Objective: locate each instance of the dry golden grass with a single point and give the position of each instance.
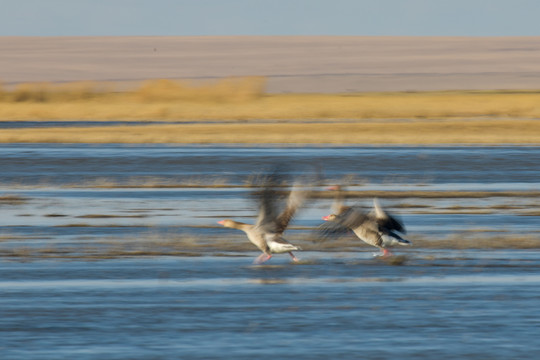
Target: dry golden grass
(391, 132)
(225, 90)
(57, 92)
(371, 118)
(245, 99)
(160, 90)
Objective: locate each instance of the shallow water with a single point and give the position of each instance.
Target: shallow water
(72, 200)
(444, 305)
(455, 165)
(55, 180)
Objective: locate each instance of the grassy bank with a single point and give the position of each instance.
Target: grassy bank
(471, 117)
(245, 99)
(388, 132)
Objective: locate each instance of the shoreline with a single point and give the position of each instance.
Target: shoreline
(414, 132)
(239, 111)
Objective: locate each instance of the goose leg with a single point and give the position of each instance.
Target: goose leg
(385, 253)
(258, 259)
(295, 259)
(262, 258)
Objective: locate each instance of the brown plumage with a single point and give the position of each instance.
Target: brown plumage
(267, 232)
(376, 228)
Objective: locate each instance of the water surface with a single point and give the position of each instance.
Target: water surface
(448, 305)
(70, 210)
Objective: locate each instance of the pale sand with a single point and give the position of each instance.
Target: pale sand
(291, 64)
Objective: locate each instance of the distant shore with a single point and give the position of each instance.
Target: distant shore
(292, 64)
(239, 111)
(497, 132)
(274, 90)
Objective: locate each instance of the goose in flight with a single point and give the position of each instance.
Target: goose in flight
(376, 228)
(267, 232)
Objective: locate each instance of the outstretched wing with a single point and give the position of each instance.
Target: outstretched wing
(294, 201)
(387, 222)
(390, 224)
(277, 207)
(339, 204)
(329, 230)
(267, 207)
(351, 217)
(267, 197)
(341, 224)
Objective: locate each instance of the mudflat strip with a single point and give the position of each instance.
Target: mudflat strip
(291, 63)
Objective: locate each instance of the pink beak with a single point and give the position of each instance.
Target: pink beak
(333, 187)
(221, 222)
(325, 218)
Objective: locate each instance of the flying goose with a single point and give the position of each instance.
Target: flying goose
(376, 228)
(267, 233)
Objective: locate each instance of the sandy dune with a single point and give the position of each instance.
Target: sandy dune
(292, 64)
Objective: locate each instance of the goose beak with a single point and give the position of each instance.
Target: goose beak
(222, 222)
(325, 218)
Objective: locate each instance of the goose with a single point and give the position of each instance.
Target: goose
(267, 232)
(376, 228)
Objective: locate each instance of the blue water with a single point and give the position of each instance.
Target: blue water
(56, 179)
(443, 304)
(208, 308)
(66, 164)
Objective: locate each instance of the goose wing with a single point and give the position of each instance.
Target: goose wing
(270, 220)
(294, 201)
(339, 205)
(339, 225)
(329, 230)
(387, 222)
(268, 211)
(277, 207)
(351, 217)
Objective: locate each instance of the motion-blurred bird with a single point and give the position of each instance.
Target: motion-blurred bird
(267, 233)
(376, 228)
